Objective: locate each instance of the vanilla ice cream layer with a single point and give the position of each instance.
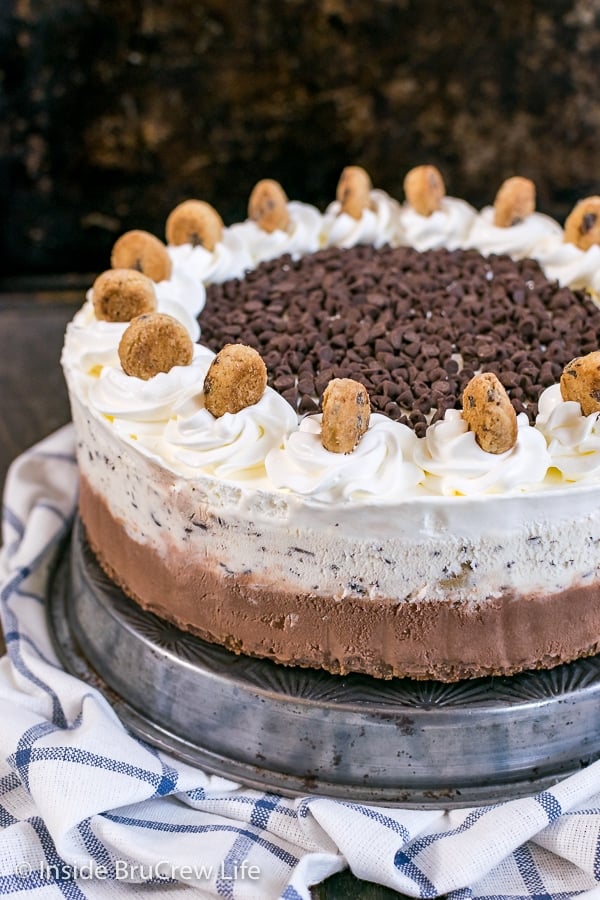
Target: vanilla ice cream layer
(425, 548)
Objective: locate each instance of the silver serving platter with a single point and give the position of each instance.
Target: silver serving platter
(302, 731)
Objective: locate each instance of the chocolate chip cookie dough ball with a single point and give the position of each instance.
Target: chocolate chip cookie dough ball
(424, 189)
(346, 415)
(580, 381)
(489, 413)
(237, 378)
(118, 295)
(194, 222)
(582, 226)
(267, 206)
(514, 202)
(143, 252)
(354, 191)
(154, 343)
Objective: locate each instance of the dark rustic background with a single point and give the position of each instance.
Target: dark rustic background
(112, 111)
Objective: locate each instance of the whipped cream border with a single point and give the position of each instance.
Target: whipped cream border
(546, 460)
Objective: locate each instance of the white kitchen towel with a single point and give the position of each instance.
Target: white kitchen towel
(87, 810)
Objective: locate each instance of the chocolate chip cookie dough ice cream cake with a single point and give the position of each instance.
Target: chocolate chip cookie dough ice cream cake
(364, 439)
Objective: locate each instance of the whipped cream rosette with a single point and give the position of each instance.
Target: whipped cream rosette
(381, 465)
(92, 344)
(456, 464)
(573, 439)
(230, 258)
(569, 265)
(181, 295)
(449, 226)
(118, 396)
(232, 443)
(518, 241)
(377, 225)
(302, 234)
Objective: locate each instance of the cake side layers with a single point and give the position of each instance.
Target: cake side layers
(443, 640)
(436, 595)
(422, 548)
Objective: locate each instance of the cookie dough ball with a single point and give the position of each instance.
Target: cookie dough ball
(582, 226)
(143, 252)
(514, 202)
(489, 413)
(267, 206)
(237, 378)
(580, 381)
(424, 189)
(154, 343)
(346, 414)
(194, 222)
(119, 295)
(354, 191)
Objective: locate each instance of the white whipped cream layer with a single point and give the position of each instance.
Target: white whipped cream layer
(573, 439)
(377, 226)
(165, 415)
(93, 343)
(450, 453)
(300, 237)
(168, 418)
(447, 227)
(233, 443)
(120, 396)
(230, 259)
(517, 241)
(567, 264)
(380, 466)
(181, 291)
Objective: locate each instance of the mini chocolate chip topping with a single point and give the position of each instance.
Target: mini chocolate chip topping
(412, 327)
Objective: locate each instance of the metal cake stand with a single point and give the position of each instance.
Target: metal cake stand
(302, 731)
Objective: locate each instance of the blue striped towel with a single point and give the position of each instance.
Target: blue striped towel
(87, 810)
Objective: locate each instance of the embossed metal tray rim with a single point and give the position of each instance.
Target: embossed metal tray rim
(396, 743)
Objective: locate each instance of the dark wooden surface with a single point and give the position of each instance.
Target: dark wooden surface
(34, 403)
(32, 391)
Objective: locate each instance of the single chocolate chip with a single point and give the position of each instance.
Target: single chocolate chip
(587, 223)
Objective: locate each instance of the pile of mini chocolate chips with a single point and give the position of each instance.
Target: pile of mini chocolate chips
(412, 327)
